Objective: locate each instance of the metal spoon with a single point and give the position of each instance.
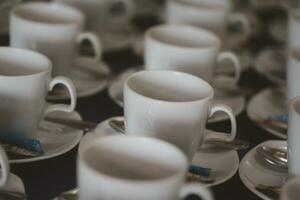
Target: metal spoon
(68, 195)
(275, 157)
(118, 125)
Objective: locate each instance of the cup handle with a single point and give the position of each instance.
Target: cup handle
(195, 189)
(72, 91)
(227, 55)
(244, 20)
(4, 167)
(94, 40)
(227, 110)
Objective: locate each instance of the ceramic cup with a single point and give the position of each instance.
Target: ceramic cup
(172, 106)
(293, 71)
(150, 169)
(291, 190)
(25, 79)
(188, 49)
(213, 15)
(5, 170)
(52, 29)
(294, 137)
(105, 16)
(293, 28)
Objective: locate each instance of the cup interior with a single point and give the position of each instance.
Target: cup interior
(134, 158)
(169, 86)
(183, 36)
(19, 62)
(50, 13)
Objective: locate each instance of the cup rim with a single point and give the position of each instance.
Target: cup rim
(210, 96)
(172, 176)
(291, 182)
(16, 9)
(149, 36)
(33, 53)
(197, 6)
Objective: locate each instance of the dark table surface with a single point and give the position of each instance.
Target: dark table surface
(45, 179)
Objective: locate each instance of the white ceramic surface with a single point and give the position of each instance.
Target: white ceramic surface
(85, 79)
(293, 28)
(235, 102)
(188, 49)
(25, 81)
(265, 104)
(294, 137)
(224, 164)
(213, 15)
(14, 184)
(293, 70)
(55, 139)
(172, 106)
(272, 63)
(252, 172)
(149, 169)
(110, 19)
(291, 189)
(52, 29)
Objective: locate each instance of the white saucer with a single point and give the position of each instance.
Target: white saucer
(224, 164)
(265, 104)
(114, 40)
(14, 184)
(236, 102)
(253, 173)
(56, 139)
(85, 79)
(271, 63)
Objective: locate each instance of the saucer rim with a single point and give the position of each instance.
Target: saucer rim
(217, 182)
(252, 117)
(90, 91)
(245, 159)
(46, 157)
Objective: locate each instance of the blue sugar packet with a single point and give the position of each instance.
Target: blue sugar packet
(19, 140)
(202, 171)
(280, 118)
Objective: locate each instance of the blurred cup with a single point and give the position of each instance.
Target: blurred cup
(52, 29)
(134, 168)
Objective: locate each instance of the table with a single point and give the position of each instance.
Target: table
(45, 179)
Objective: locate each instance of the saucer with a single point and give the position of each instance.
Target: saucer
(271, 63)
(14, 184)
(116, 40)
(56, 139)
(236, 102)
(253, 173)
(224, 164)
(85, 79)
(264, 104)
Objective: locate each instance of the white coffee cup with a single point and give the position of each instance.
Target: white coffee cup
(293, 71)
(134, 168)
(5, 169)
(25, 79)
(291, 189)
(294, 28)
(213, 15)
(52, 29)
(171, 106)
(188, 49)
(104, 15)
(294, 137)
